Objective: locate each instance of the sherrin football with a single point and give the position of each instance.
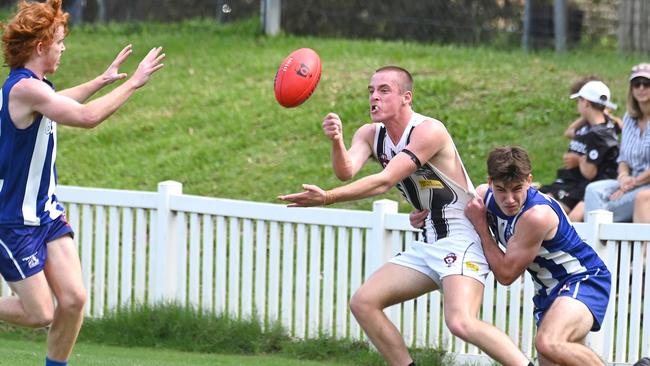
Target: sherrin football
(297, 77)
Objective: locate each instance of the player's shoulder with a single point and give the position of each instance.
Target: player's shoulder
(366, 132)
(430, 125)
(368, 128)
(30, 89)
(539, 215)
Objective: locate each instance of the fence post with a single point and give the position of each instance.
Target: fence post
(166, 243)
(560, 24)
(271, 16)
(592, 237)
(594, 220)
(379, 245)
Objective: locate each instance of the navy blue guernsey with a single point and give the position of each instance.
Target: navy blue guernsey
(564, 256)
(27, 169)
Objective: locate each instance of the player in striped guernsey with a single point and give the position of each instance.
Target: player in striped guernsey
(38, 256)
(418, 156)
(572, 284)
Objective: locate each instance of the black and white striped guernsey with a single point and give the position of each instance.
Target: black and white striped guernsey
(428, 188)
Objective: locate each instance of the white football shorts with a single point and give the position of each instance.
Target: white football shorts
(457, 255)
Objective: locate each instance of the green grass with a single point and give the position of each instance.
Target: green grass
(209, 118)
(28, 353)
(173, 328)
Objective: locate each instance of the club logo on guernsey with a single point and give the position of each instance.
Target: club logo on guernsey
(383, 160)
(48, 127)
(32, 261)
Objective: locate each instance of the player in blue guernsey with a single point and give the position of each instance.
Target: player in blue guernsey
(572, 284)
(38, 256)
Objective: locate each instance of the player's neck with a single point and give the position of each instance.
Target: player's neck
(396, 126)
(35, 67)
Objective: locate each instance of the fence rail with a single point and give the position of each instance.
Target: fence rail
(299, 267)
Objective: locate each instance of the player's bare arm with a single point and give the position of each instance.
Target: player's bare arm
(430, 142)
(33, 96)
(397, 169)
(82, 92)
(347, 163)
(532, 228)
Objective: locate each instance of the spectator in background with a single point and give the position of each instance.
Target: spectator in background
(592, 151)
(617, 195)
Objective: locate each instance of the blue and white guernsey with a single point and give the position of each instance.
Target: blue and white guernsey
(428, 188)
(27, 169)
(559, 259)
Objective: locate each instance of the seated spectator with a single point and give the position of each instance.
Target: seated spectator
(570, 132)
(592, 151)
(618, 195)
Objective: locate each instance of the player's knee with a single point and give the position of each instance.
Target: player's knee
(357, 304)
(40, 317)
(546, 345)
(73, 301)
(460, 326)
(361, 304)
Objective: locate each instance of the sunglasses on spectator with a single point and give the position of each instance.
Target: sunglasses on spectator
(636, 83)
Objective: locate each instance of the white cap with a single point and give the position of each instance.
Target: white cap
(640, 71)
(596, 92)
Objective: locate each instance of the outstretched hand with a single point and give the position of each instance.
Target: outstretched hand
(149, 64)
(112, 73)
(311, 196)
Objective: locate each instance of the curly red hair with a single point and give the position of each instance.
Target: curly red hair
(34, 22)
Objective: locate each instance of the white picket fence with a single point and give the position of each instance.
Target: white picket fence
(299, 266)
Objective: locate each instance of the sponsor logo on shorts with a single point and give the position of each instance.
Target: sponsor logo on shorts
(450, 259)
(32, 261)
(431, 183)
(593, 154)
(564, 288)
(471, 265)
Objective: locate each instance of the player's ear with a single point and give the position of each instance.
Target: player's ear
(407, 97)
(40, 48)
(529, 180)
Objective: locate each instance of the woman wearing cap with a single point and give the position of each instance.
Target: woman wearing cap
(617, 195)
(592, 152)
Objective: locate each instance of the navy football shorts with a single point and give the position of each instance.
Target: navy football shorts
(23, 249)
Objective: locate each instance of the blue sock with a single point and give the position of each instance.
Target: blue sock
(49, 362)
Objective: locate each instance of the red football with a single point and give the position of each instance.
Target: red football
(297, 77)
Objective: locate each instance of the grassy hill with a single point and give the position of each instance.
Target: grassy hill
(210, 121)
